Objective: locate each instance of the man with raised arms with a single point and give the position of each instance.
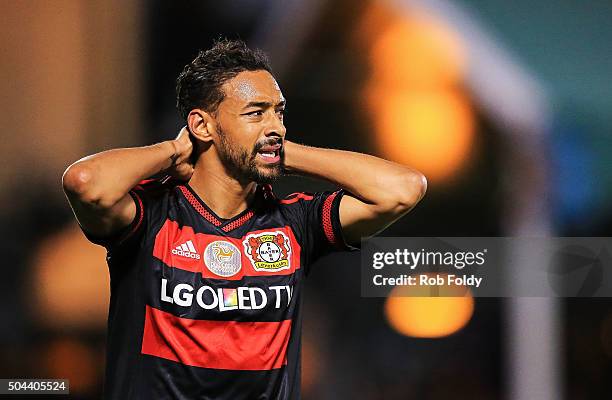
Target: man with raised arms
(207, 265)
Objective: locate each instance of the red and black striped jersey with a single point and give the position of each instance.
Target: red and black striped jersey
(207, 308)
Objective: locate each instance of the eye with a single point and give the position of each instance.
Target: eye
(257, 113)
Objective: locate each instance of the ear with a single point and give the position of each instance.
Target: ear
(201, 125)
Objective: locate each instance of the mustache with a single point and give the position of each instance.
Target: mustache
(268, 142)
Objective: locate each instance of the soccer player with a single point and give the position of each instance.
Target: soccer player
(207, 265)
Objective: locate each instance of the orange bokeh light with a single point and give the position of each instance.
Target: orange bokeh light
(414, 95)
(429, 317)
(417, 52)
(432, 131)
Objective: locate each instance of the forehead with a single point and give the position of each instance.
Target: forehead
(251, 86)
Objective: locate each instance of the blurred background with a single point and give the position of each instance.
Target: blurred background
(506, 107)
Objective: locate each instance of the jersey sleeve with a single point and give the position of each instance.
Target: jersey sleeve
(317, 216)
(129, 234)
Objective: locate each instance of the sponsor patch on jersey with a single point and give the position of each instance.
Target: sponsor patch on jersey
(222, 258)
(226, 299)
(268, 251)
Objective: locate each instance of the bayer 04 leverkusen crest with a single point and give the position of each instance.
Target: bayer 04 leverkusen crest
(268, 251)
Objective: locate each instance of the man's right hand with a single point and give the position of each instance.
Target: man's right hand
(181, 167)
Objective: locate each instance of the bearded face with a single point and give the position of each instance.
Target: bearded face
(262, 164)
(250, 129)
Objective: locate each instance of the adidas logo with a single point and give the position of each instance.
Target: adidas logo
(186, 250)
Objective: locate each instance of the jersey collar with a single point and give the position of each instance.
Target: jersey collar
(225, 225)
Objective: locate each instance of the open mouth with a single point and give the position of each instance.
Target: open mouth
(270, 154)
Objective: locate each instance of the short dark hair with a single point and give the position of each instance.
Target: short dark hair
(199, 85)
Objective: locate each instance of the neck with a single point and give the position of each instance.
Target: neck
(222, 193)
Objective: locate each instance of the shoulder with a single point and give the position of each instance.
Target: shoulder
(310, 207)
(297, 197)
(320, 201)
(292, 198)
(156, 188)
(302, 199)
(292, 201)
(155, 197)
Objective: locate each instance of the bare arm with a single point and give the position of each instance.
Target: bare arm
(384, 190)
(97, 186)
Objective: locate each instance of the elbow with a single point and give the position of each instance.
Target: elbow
(78, 182)
(77, 179)
(410, 189)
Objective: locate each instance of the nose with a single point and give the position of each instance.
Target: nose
(275, 126)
